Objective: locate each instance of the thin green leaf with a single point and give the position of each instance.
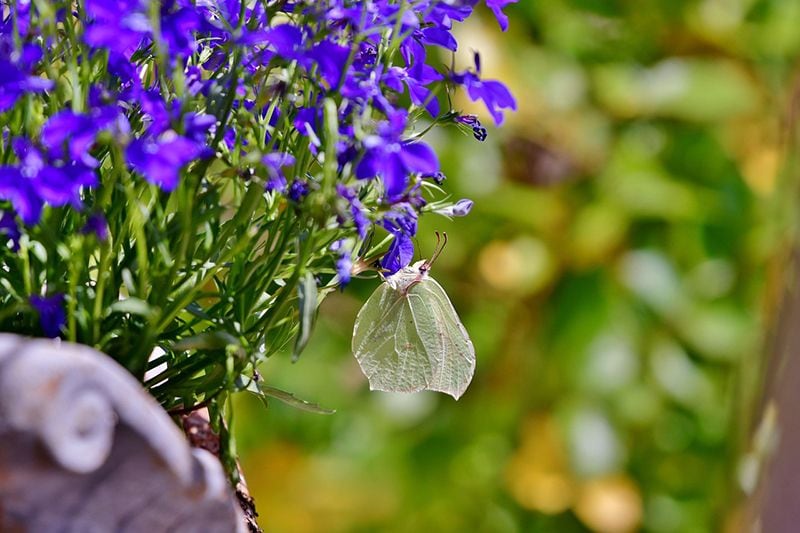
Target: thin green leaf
(264, 392)
(307, 291)
(134, 306)
(214, 340)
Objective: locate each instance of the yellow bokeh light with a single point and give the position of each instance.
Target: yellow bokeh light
(537, 474)
(609, 504)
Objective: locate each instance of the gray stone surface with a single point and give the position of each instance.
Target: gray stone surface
(84, 449)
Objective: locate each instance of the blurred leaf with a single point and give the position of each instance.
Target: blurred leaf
(692, 89)
(134, 306)
(307, 305)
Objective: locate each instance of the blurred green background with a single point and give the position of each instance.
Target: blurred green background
(616, 276)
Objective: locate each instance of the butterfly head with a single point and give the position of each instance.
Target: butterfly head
(407, 277)
(421, 267)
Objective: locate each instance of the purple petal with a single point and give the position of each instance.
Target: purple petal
(276, 160)
(15, 82)
(286, 39)
(494, 94)
(344, 264)
(497, 6)
(419, 157)
(440, 37)
(52, 316)
(460, 209)
(356, 209)
(96, 225)
(160, 162)
(79, 131)
(114, 37)
(197, 125)
(394, 174)
(61, 185)
(370, 165)
(401, 219)
(331, 59)
(177, 30)
(20, 192)
(422, 95)
(307, 117)
(10, 228)
(400, 254)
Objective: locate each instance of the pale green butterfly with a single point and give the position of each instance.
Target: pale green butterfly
(408, 337)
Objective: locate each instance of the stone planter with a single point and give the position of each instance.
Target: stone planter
(83, 448)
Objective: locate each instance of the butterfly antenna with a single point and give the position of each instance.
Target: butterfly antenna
(441, 242)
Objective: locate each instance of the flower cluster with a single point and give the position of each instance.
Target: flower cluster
(174, 171)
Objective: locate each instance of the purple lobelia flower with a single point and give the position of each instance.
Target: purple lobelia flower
(392, 159)
(295, 43)
(179, 21)
(52, 316)
(158, 115)
(288, 41)
(416, 80)
(298, 190)
(121, 26)
(36, 182)
(443, 14)
(494, 94)
(16, 80)
(459, 209)
(356, 209)
(60, 185)
(69, 136)
(399, 255)
(401, 222)
(274, 164)
(497, 8)
(331, 59)
(10, 228)
(161, 159)
(96, 225)
(60, 167)
(478, 131)
(308, 119)
(118, 25)
(197, 125)
(344, 263)
(437, 177)
(437, 35)
(194, 81)
(401, 219)
(16, 20)
(20, 191)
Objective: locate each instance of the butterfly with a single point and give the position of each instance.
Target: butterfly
(408, 337)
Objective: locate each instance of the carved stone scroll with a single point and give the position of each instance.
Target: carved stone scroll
(84, 449)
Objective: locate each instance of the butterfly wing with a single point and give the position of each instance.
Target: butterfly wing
(444, 340)
(387, 346)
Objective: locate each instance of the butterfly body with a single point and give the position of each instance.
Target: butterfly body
(408, 337)
(407, 277)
